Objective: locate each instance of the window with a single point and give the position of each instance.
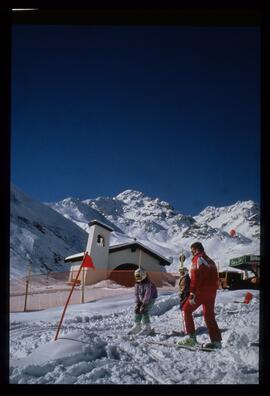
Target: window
(100, 240)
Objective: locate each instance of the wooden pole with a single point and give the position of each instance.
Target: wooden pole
(47, 280)
(83, 272)
(72, 288)
(27, 286)
(26, 293)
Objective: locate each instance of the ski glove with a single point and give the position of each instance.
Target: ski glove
(192, 299)
(142, 308)
(137, 308)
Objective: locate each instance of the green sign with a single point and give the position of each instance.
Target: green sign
(244, 262)
(254, 258)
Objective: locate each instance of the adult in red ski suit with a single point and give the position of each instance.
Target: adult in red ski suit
(203, 287)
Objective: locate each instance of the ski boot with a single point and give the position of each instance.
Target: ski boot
(212, 345)
(146, 330)
(135, 329)
(189, 340)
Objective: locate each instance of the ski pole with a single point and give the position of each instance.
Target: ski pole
(140, 258)
(182, 258)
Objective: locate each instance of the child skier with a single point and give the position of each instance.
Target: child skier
(145, 295)
(184, 284)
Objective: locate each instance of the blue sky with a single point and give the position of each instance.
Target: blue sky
(171, 111)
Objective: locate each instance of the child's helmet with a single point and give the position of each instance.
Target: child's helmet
(140, 274)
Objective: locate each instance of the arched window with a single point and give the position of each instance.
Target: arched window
(100, 240)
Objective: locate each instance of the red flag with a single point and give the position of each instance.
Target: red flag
(88, 262)
(248, 297)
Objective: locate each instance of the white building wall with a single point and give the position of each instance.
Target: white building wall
(73, 270)
(126, 256)
(91, 276)
(106, 262)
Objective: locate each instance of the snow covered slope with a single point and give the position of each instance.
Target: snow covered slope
(242, 216)
(162, 228)
(80, 213)
(93, 346)
(41, 235)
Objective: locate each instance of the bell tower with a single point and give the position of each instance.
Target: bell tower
(98, 243)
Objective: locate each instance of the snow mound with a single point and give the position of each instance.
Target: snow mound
(164, 304)
(69, 348)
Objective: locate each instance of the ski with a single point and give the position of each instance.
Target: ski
(135, 336)
(198, 348)
(191, 348)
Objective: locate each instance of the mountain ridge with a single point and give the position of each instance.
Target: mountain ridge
(49, 232)
(158, 224)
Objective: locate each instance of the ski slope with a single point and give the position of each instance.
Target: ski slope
(94, 348)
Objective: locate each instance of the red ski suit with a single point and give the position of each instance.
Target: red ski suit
(204, 284)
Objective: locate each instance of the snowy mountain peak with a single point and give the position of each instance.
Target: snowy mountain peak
(138, 198)
(229, 208)
(70, 200)
(129, 195)
(66, 202)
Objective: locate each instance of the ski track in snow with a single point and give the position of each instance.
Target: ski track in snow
(94, 348)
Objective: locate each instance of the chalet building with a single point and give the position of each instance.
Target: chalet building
(116, 262)
(236, 276)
